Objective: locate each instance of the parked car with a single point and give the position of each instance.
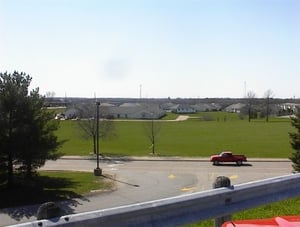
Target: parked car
(227, 156)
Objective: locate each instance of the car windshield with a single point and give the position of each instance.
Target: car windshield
(224, 154)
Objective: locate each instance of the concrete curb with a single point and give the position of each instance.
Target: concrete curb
(171, 159)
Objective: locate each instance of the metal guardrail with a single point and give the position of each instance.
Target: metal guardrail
(185, 209)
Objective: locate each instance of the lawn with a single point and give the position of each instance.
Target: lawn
(201, 135)
(79, 182)
(52, 186)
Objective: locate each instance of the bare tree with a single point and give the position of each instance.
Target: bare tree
(152, 129)
(250, 101)
(268, 95)
(87, 124)
(49, 96)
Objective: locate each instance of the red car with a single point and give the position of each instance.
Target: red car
(227, 156)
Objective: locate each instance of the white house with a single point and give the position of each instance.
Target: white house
(183, 109)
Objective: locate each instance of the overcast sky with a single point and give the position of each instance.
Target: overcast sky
(154, 48)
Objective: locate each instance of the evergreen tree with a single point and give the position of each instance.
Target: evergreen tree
(13, 90)
(295, 142)
(40, 144)
(26, 130)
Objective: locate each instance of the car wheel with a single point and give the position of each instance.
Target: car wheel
(216, 163)
(239, 162)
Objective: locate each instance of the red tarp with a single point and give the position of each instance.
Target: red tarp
(284, 221)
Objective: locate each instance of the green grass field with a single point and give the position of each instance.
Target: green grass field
(202, 135)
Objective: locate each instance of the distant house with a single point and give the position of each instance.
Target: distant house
(71, 113)
(289, 108)
(168, 106)
(235, 108)
(202, 107)
(133, 111)
(183, 109)
(123, 111)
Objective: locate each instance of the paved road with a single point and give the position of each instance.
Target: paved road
(143, 180)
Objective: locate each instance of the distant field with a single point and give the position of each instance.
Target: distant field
(201, 135)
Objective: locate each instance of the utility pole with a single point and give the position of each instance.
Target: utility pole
(140, 91)
(97, 171)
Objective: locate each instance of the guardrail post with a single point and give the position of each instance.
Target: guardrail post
(221, 182)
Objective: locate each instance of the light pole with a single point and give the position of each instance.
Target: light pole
(97, 171)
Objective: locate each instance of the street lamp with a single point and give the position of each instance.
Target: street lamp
(97, 171)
